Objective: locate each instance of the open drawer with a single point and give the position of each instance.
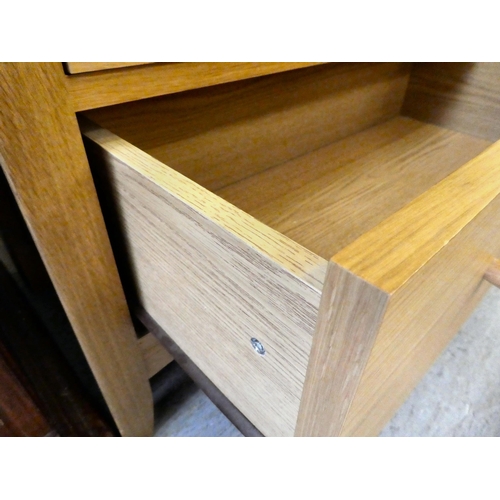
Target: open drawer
(313, 239)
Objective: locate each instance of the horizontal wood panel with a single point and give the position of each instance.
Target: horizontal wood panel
(86, 67)
(89, 91)
(211, 287)
(220, 135)
(330, 197)
(460, 96)
(391, 253)
(156, 357)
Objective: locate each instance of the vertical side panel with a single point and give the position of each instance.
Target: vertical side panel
(44, 160)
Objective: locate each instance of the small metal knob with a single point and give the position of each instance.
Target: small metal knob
(258, 347)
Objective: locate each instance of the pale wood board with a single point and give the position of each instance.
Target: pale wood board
(429, 259)
(156, 357)
(43, 157)
(215, 277)
(460, 96)
(422, 317)
(326, 199)
(219, 135)
(85, 67)
(348, 321)
(297, 260)
(197, 376)
(391, 253)
(95, 90)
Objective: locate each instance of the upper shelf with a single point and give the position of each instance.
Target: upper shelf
(114, 86)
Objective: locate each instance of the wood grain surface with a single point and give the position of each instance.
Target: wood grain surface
(219, 135)
(460, 96)
(391, 253)
(214, 277)
(349, 318)
(156, 357)
(198, 377)
(429, 260)
(430, 257)
(85, 67)
(409, 211)
(326, 199)
(95, 90)
(43, 157)
(421, 318)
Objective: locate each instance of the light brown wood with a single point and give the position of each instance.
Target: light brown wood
(390, 254)
(220, 135)
(421, 318)
(43, 157)
(85, 67)
(326, 199)
(428, 259)
(168, 383)
(431, 257)
(156, 357)
(348, 321)
(217, 278)
(492, 274)
(95, 90)
(460, 96)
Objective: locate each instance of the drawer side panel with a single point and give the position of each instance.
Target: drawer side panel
(213, 293)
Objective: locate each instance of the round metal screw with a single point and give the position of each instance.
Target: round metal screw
(259, 348)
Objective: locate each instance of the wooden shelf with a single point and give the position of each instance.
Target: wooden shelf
(326, 199)
(117, 85)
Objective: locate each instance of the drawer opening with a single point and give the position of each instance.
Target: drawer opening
(323, 154)
(233, 202)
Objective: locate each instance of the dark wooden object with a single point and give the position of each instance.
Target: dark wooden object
(49, 377)
(19, 414)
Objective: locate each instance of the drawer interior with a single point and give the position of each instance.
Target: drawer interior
(230, 200)
(322, 154)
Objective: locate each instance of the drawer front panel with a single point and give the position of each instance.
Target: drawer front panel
(422, 317)
(427, 263)
(213, 293)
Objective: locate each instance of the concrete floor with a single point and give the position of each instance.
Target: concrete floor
(459, 396)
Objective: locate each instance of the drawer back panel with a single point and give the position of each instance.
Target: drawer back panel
(460, 96)
(222, 134)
